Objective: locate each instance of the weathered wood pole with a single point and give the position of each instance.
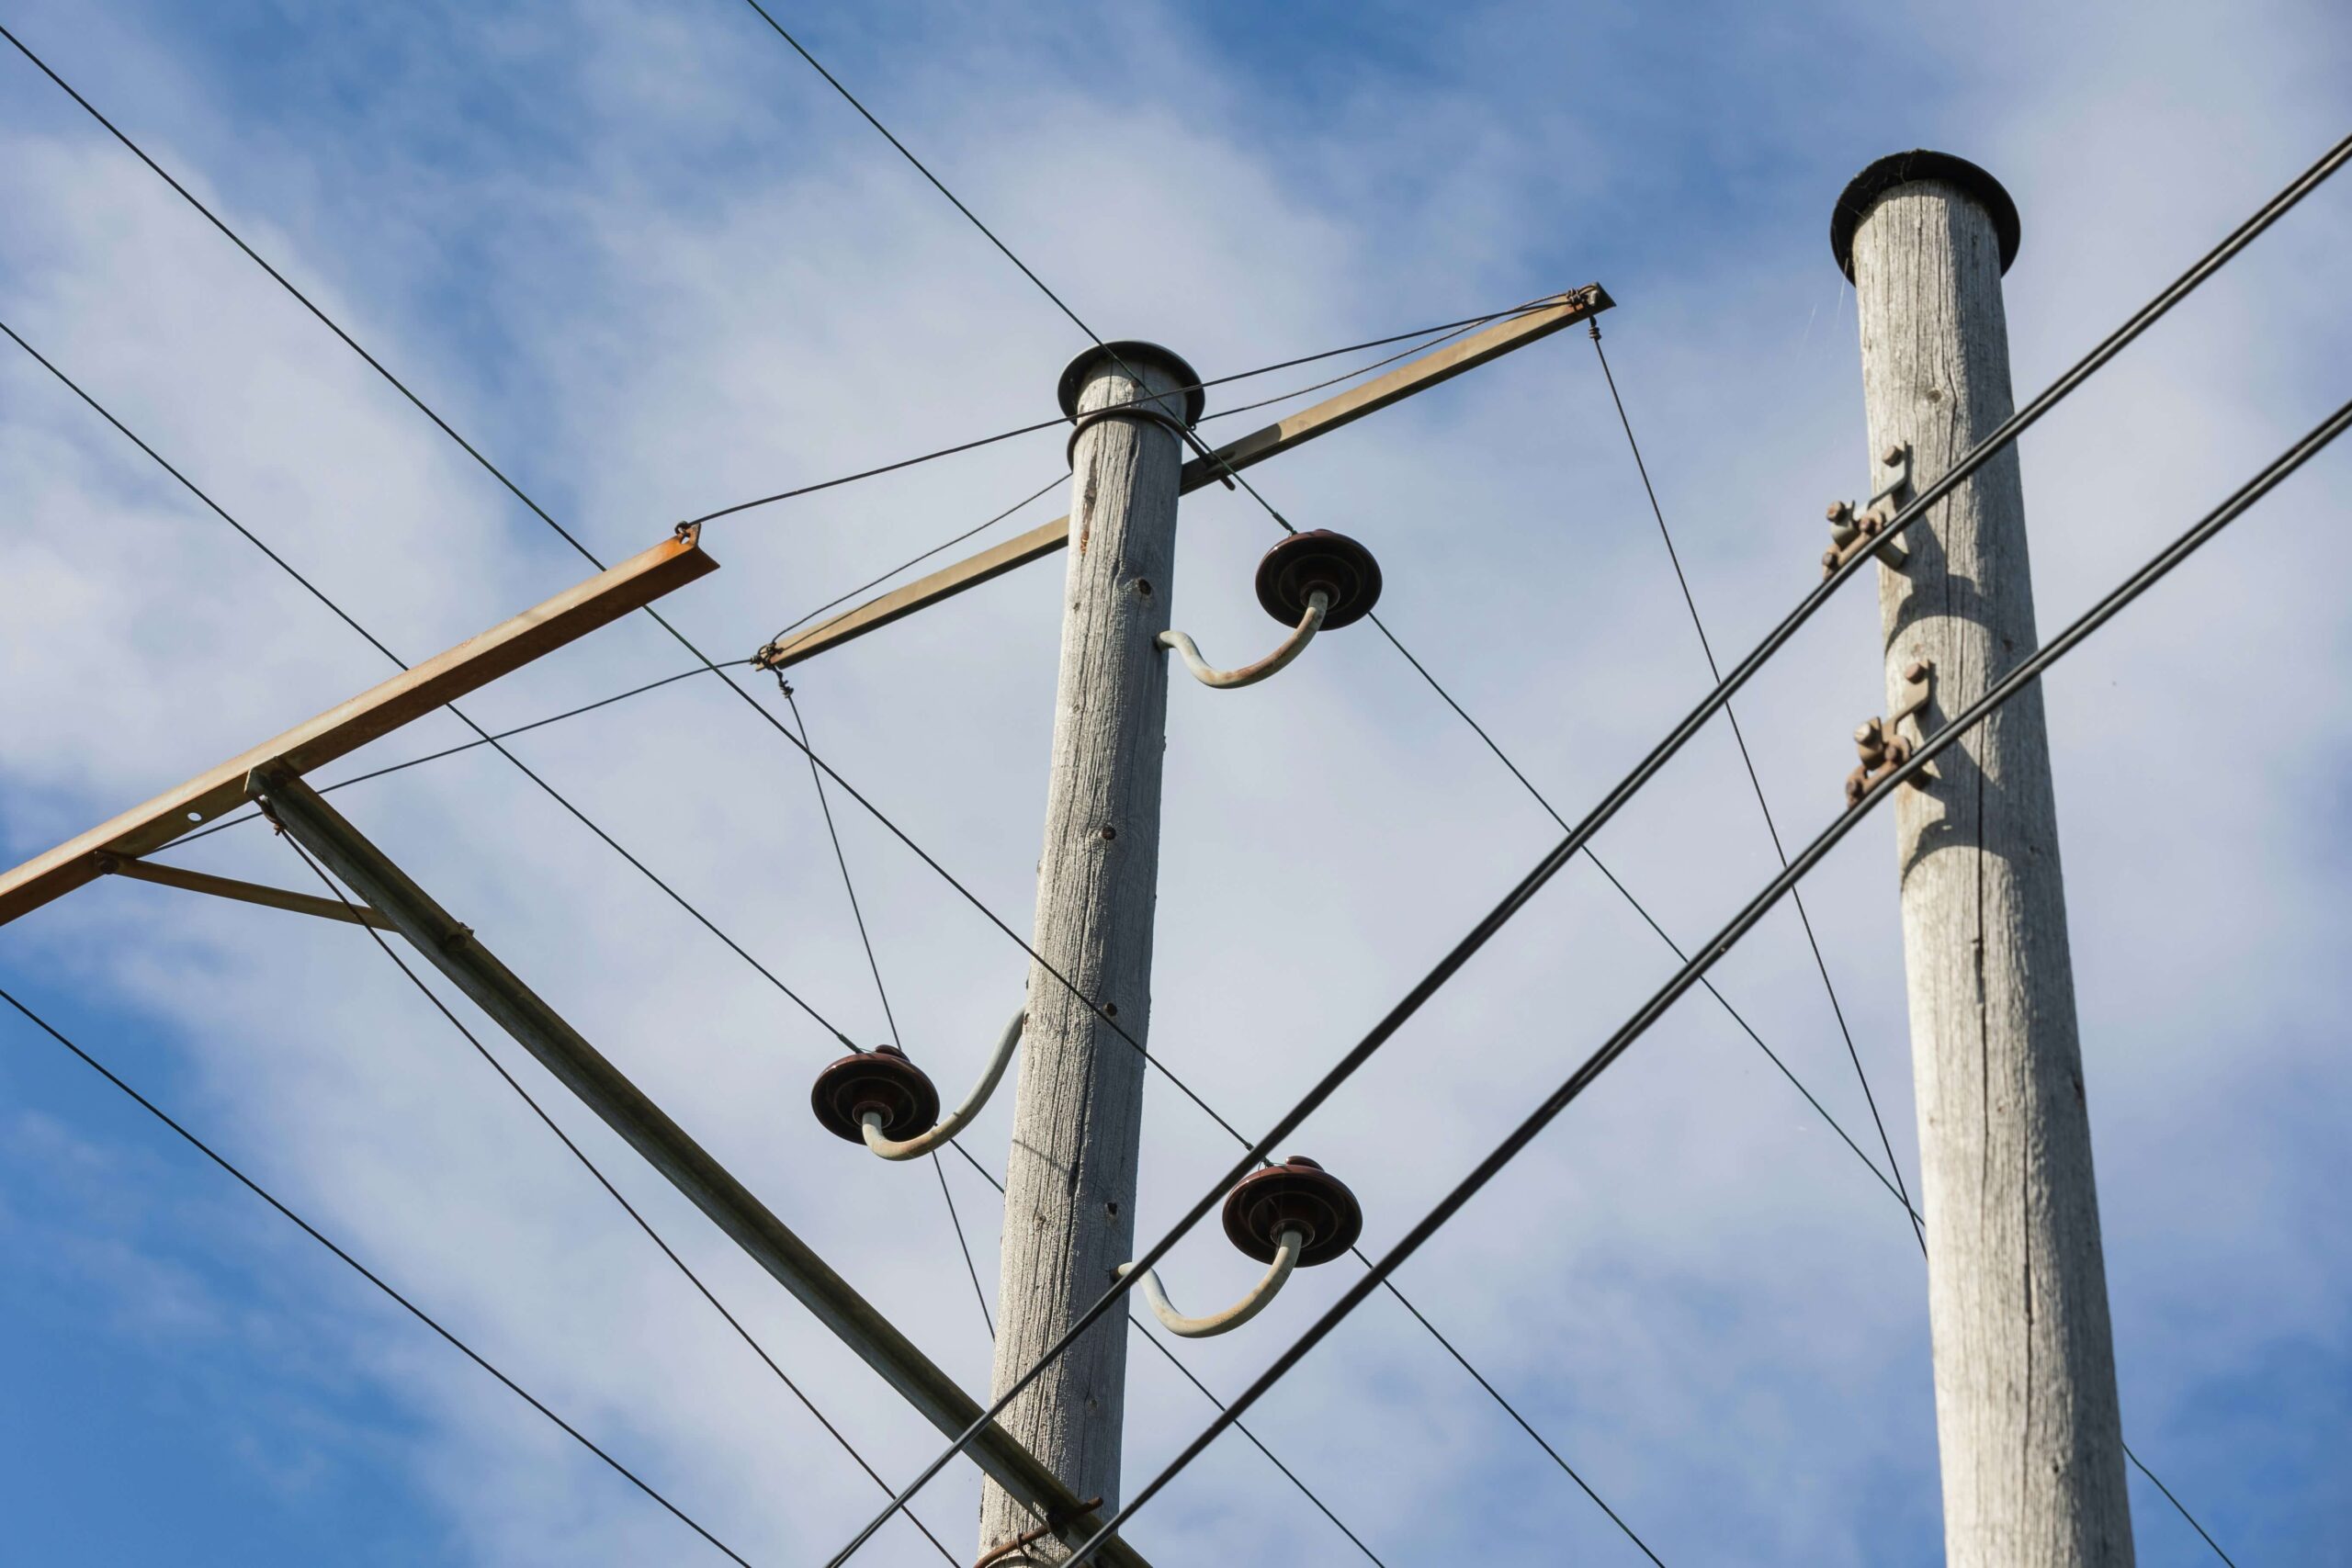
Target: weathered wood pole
(1071, 1186)
(2027, 1419)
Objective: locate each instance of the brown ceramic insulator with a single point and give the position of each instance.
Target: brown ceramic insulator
(1342, 569)
(881, 1080)
(1297, 1192)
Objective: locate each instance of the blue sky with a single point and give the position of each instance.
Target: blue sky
(649, 264)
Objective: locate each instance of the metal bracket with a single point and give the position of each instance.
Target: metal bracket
(1882, 745)
(1852, 530)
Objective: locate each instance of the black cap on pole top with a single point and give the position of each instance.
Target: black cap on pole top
(1904, 168)
(1126, 351)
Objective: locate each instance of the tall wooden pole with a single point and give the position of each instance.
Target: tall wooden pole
(2026, 1415)
(1071, 1185)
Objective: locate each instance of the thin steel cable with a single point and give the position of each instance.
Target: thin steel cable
(498, 474)
(1050, 485)
(254, 815)
(418, 1313)
(486, 737)
(1659, 756)
(979, 1294)
(601, 1180)
(840, 859)
(1441, 331)
(856, 909)
(706, 666)
(2027, 671)
(1230, 476)
(1715, 670)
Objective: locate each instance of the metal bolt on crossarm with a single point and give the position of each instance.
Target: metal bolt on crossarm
(1314, 581)
(1291, 1216)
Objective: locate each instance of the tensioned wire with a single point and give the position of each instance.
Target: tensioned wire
(258, 1190)
(499, 475)
(350, 621)
(2278, 206)
(1771, 829)
(2029, 671)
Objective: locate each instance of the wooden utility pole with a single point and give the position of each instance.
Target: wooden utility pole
(1071, 1186)
(2026, 1414)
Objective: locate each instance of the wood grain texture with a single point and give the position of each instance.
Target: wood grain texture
(1070, 1184)
(2026, 1408)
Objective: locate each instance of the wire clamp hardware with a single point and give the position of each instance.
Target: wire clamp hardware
(1853, 530)
(1882, 746)
(1291, 1216)
(1311, 583)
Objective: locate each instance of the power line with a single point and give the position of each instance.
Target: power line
(486, 738)
(2027, 671)
(1231, 476)
(1442, 331)
(252, 814)
(1691, 602)
(1549, 867)
(605, 1182)
(706, 664)
(374, 1279)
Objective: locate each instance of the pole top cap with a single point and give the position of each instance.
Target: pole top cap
(1129, 352)
(1902, 169)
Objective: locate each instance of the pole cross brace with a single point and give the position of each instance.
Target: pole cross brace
(1852, 531)
(1883, 750)
(460, 955)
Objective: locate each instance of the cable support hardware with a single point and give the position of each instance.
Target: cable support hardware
(2277, 207)
(2028, 670)
(1854, 529)
(1319, 579)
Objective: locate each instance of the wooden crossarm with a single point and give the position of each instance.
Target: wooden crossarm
(1295, 430)
(344, 728)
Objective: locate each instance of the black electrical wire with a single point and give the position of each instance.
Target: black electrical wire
(2027, 671)
(253, 816)
(1433, 335)
(1771, 829)
(708, 664)
(603, 1181)
(1545, 869)
(258, 1190)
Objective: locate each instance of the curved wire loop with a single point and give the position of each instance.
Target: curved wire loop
(1288, 1245)
(1317, 605)
(953, 1122)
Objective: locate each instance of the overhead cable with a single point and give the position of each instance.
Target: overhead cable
(1664, 751)
(2028, 670)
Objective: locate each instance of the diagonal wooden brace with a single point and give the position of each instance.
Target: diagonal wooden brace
(459, 954)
